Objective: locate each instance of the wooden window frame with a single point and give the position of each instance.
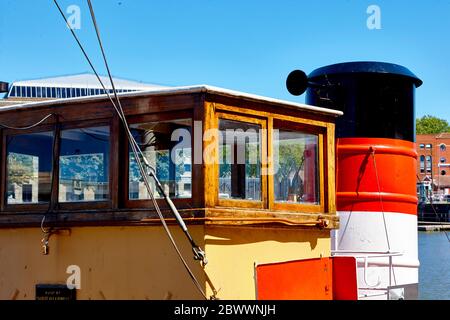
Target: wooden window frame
(20, 207)
(301, 127)
(112, 179)
(180, 203)
(243, 203)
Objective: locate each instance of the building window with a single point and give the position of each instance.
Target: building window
(13, 92)
(28, 90)
(421, 146)
(443, 173)
(29, 167)
(429, 163)
(443, 160)
(167, 148)
(239, 160)
(422, 164)
(84, 164)
(428, 146)
(296, 174)
(443, 147)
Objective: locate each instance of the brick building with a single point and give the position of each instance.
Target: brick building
(433, 165)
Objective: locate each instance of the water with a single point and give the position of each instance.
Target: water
(434, 272)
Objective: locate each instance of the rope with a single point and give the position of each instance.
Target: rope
(137, 151)
(372, 150)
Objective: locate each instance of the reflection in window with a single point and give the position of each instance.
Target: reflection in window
(167, 147)
(29, 167)
(296, 174)
(239, 160)
(84, 164)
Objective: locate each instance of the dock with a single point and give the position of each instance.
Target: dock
(433, 226)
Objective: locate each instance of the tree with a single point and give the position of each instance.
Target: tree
(431, 125)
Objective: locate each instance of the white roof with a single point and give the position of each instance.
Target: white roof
(181, 90)
(87, 80)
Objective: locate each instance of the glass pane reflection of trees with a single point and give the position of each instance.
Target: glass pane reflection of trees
(295, 167)
(84, 164)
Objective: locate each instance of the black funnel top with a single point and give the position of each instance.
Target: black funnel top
(377, 98)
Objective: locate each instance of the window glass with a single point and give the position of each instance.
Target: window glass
(296, 174)
(239, 160)
(33, 92)
(29, 167)
(28, 90)
(422, 146)
(167, 147)
(428, 146)
(422, 164)
(442, 147)
(443, 160)
(84, 164)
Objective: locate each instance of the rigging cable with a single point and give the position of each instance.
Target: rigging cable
(199, 254)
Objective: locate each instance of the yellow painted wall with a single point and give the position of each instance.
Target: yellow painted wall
(140, 263)
(233, 252)
(115, 262)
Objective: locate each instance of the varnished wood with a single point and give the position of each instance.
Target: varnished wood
(208, 208)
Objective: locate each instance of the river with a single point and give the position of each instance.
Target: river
(434, 272)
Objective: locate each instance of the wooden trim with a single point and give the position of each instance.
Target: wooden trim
(229, 217)
(264, 114)
(270, 164)
(114, 175)
(330, 158)
(263, 203)
(210, 155)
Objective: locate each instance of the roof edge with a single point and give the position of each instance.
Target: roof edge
(179, 90)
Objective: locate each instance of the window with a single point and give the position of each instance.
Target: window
(429, 163)
(443, 173)
(442, 147)
(33, 92)
(84, 164)
(422, 164)
(421, 146)
(167, 147)
(428, 146)
(29, 167)
(239, 160)
(28, 90)
(443, 160)
(296, 174)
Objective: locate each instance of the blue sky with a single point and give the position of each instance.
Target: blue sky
(243, 45)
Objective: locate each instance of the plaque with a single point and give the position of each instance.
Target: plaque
(54, 292)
